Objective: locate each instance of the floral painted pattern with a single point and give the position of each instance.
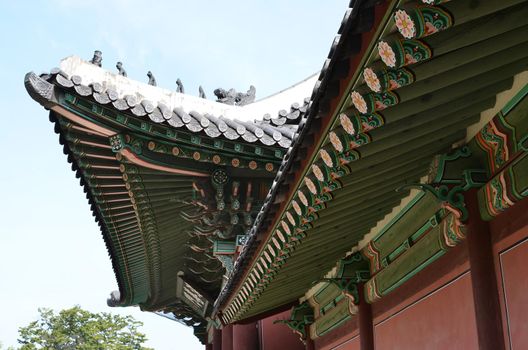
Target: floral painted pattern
(405, 24)
(290, 218)
(317, 172)
(387, 54)
(311, 186)
(327, 159)
(303, 198)
(285, 227)
(346, 123)
(371, 79)
(296, 207)
(359, 102)
(336, 142)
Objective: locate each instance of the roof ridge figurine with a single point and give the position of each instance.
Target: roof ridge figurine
(152, 80)
(179, 86)
(201, 92)
(97, 58)
(231, 97)
(120, 69)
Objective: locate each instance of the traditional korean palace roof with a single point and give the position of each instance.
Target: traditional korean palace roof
(413, 78)
(215, 214)
(174, 181)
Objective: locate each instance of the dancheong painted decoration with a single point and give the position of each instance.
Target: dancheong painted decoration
(388, 194)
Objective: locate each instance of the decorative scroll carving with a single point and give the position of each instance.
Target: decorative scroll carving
(506, 188)
(449, 187)
(351, 271)
(301, 316)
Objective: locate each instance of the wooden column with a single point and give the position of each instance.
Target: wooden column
(309, 341)
(209, 347)
(217, 339)
(366, 330)
(227, 337)
(245, 336)
(484, 283)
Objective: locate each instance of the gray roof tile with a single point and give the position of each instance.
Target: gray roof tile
(269, 130)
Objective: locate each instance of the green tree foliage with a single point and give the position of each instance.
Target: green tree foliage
(78, 329)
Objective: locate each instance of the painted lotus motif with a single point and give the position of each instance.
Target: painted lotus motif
(359, 102)
(387, 54)
(327, 159)
(318, 172)
(335, 141)
(311, 186)
(285, 227)
(371, 79)
(296, 207)
(346, 123)
(303, 198)
(290, 218)
(405, 24)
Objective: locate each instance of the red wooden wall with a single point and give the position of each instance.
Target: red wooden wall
(510, 245)
(435, 310)
(443, 319)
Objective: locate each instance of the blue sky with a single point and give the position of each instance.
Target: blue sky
(51, 251)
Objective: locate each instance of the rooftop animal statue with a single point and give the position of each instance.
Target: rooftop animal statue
(201, 92)
(120, 69)
(179, 86)
(97, 58)
(114, 298)
(226, 96)
(231, 97)
(247, 98)
(152, 80)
